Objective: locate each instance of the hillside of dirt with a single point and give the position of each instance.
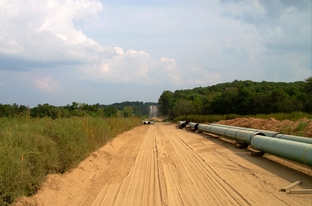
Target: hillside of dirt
(302, 127)
(159, 164)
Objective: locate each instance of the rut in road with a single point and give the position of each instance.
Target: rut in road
(200, 184)
(165, 171)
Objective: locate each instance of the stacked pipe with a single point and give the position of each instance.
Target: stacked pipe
(291, 147)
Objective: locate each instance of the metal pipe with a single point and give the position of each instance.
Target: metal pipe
(272, 134)
(266, 132)
(217, 130)
(204, 127)
(246, 136)
(183, 124)
(194, 125)
(294, 138)
(242, 136)
(296, 151)
(287, 148)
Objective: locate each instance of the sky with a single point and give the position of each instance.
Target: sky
(97, 51)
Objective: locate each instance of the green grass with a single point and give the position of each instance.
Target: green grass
(294, 116)
(32, 148)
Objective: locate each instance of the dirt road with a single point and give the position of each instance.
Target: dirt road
(162, 165)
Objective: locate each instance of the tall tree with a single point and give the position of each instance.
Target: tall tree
(165, 102)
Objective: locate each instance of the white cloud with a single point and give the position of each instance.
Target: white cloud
(135, 67)
(203, 76)
(241, 9)
(119, 50)
(48, 84)
(44, 31)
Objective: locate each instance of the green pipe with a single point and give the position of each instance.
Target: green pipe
(272, 134)
(287, 148)
(231, 133)
(204, 127)
(296, 151)
(266, 132)
(217, 130)
(242, 136)
(294, 138)
(245, 136)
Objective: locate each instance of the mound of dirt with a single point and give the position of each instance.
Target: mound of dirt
(302, 127)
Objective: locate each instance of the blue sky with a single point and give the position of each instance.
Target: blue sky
(92, 51)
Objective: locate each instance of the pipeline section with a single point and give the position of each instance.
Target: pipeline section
(272, 134)
(182, 124)
(291, 147)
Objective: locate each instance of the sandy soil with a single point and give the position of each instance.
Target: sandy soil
(162, 165)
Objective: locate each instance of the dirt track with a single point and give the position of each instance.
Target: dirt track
(162, 165)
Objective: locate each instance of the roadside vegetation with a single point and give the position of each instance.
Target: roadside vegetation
(31, 148)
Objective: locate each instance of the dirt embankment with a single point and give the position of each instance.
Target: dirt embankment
(302, 127)
(161, 165)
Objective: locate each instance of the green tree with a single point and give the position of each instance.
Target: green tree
(128, 111)
(110, 111)
(244, 101)
(165, 102)
(183, 107)
(308, 90)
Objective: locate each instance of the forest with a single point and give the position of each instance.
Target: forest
(124, 109)
(239, 97)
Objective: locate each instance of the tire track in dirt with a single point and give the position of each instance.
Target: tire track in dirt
(106, 185)
(201, 184)
(141, 185)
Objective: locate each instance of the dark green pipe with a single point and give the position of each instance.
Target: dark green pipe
(266, 132)
(204, 127)
(272, 134)
(296, 151)
(294, 138)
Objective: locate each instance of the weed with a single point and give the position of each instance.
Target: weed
(32, 148)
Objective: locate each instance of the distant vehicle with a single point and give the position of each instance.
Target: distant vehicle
(147, 122)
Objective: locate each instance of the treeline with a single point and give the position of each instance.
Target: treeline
(124, 109)
(239, 97)
(138, 108)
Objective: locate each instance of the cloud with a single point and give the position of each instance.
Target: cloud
(134, 67)
(49, 33)
(52, 38)
(282, 35)
(48, 84)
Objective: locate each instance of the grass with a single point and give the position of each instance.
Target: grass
(32, 148)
